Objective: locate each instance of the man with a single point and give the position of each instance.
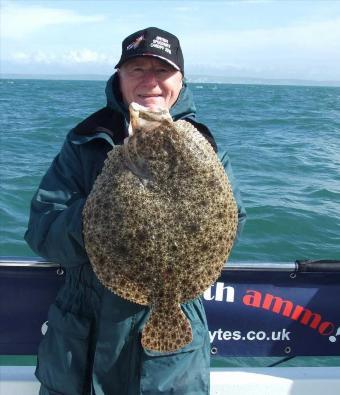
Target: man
(92, 345)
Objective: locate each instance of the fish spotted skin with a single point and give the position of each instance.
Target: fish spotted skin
(160, 222)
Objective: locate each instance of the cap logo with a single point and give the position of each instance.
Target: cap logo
(135, 43)
(162, 44)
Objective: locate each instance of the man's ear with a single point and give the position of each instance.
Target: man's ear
(118, 79)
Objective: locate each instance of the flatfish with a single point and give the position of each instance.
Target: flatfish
(160, 222)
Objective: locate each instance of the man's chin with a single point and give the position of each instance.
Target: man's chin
(152, 104)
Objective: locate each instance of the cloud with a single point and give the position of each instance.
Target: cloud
(20, 20)
(309, 49)
(87, 56)
(183, 9)
(71, 57)
(307, 39)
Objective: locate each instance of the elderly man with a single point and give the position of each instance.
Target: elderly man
(92, 345)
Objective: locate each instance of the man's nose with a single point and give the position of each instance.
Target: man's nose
(150, 77)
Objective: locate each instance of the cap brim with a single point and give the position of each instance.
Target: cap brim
(150, 55)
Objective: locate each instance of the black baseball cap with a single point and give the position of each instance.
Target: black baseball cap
(153, 42)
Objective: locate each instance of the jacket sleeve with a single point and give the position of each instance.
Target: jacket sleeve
(237, 194)
(55, 225)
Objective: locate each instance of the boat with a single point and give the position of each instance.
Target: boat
(277, 311)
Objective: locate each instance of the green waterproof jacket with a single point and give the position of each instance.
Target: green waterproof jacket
(92, 345)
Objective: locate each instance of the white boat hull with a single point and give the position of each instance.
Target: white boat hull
(19, 380)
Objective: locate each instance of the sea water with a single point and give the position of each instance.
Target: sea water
(283, 142)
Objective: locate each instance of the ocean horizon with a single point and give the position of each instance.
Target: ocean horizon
(191, 78)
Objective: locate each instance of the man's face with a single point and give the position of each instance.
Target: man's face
(149, 82)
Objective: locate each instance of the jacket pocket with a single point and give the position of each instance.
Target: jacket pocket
(182, 372)
(63, 356)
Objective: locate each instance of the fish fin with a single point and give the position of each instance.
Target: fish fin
(167, 329)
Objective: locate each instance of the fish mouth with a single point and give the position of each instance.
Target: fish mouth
(134, 110)
(142, 117)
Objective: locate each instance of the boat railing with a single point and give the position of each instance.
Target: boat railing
(325, 265)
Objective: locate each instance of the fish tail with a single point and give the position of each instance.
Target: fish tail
(167, 329)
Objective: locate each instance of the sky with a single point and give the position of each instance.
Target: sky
(269, 39)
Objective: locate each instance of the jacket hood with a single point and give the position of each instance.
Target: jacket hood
(183, 108)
